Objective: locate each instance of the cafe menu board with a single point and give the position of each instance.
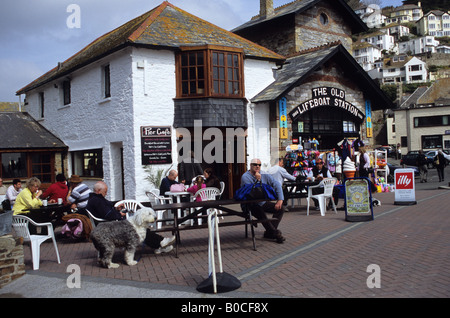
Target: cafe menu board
(358, 200)
(156, 145)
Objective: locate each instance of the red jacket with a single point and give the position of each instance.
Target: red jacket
(55, 191)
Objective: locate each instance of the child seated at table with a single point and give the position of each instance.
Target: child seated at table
(199, 183)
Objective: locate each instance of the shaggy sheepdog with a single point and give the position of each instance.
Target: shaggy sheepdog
(128, 234)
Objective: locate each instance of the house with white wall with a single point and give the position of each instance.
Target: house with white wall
(435, 23)
(366, 54)
(371, 15)
(125, 101)
(400, 69)
(418, 45)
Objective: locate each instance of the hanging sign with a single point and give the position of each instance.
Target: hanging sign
(327, 96)
(156, 145)
(284, 133)
(358, 200)
(405, 187)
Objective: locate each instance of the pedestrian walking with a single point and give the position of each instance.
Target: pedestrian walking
(422, 164)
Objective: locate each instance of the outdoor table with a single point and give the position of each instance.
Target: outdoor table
(53, 213)
(295, 188)
(176, 196)
(223, 206)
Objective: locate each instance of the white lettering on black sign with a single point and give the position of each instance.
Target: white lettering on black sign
(327, 96)
(156, 145)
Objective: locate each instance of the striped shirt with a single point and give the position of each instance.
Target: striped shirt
(80, 195)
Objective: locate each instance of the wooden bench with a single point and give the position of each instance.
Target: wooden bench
(221, 205)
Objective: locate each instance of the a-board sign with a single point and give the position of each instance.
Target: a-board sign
(156, 145)
(405, 187)
(358, 200)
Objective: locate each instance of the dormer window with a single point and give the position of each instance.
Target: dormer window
(210, 72)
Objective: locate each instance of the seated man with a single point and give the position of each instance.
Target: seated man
(319, 172)
(167, 182)
(100, 207)
(259, 210)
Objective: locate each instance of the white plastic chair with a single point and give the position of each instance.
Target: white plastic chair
(328, 185)
(206, 194)
(222, 187)
(130, 205)
(94, 219)
(20, 225)
(154, 196)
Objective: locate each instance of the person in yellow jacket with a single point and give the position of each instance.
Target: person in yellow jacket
(29, 197)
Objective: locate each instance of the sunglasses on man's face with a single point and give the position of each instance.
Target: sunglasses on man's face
(256, 164)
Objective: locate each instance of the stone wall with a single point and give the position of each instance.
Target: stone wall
(11, 259)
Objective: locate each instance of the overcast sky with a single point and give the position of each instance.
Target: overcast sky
(34, 34)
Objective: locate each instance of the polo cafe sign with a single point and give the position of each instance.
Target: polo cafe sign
(156, 145)
(327, 97)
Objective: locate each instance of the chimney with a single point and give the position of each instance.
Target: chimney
(266, 8)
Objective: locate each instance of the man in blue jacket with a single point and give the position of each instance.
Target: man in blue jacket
(259, 210)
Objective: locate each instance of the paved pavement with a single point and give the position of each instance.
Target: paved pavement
(406, 250)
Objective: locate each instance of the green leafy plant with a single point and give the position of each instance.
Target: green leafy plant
(155, 177)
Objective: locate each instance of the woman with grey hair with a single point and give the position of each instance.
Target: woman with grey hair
(28, 198)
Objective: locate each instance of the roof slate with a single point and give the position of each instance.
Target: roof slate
(300, 66)
(20, 131)
(166, 26)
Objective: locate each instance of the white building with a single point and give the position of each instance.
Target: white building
(150, 77)
(423, 120)
(400, 69)
(380, 39)
(435, 22)
(371, 15)
(366, 54)
(418, 45)
(396, 30)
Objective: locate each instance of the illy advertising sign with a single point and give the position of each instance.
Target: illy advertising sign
(405, 187)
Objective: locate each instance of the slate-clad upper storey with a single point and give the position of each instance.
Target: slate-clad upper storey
(167, 27)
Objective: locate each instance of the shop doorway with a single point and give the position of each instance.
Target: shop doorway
(229, 157)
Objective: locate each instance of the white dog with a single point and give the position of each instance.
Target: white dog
(129, 234)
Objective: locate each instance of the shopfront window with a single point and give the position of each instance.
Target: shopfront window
(88, 163)
(25, 165)
(431, 142)
(41, 166)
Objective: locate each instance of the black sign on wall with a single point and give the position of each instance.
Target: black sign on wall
(156, 145)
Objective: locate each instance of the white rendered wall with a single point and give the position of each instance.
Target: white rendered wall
(258, 75)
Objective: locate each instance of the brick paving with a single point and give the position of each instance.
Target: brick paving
(322, 256)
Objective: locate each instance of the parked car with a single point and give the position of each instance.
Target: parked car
(433, 153)
(410, 159)
(392, 169)
(390, 150)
